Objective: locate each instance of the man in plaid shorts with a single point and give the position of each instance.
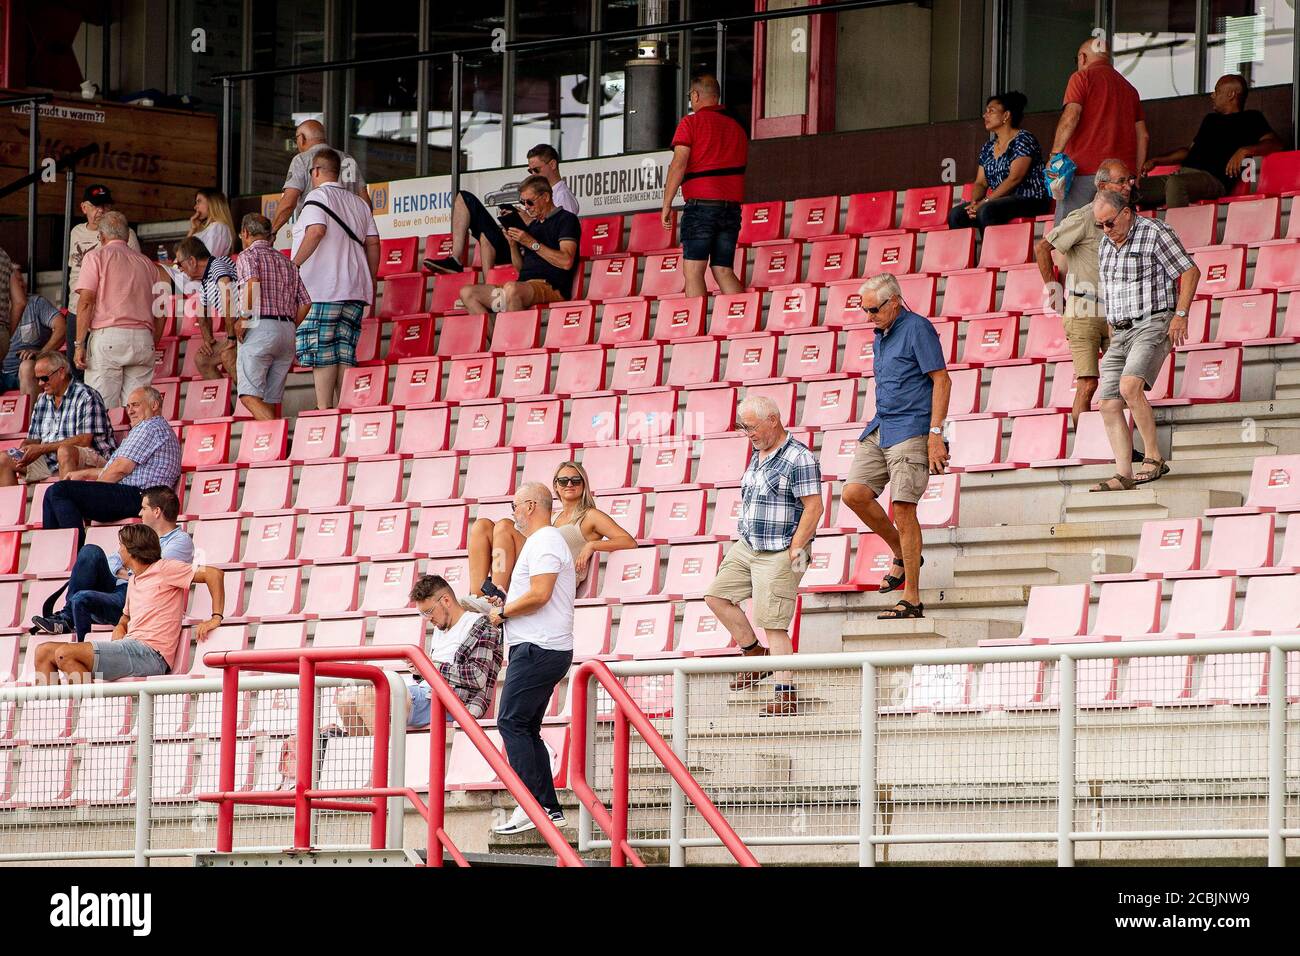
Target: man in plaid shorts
(781, 504)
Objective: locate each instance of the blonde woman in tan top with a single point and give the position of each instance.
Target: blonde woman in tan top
(493, 547)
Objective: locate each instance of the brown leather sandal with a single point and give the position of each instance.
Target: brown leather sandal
(1125, 484)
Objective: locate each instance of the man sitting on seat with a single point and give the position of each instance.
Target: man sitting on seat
(147, 637)
(97, 587)
(546, 255)
(69, 428)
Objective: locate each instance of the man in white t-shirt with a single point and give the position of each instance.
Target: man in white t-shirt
(469, 217)
(336, 250)
(464, 646)
(538, 616)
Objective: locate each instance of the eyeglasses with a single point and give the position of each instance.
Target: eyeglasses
(427, 614)
(748, 429)
(568, 482)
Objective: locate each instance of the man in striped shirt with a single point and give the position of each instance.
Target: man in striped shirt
(150, 455)
(213, 277)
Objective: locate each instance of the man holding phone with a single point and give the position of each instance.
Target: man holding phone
(545, 252)
(903, 445)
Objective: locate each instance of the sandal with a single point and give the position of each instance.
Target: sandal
(1144, 477)
(1125, 484)
(901, 611)
(892, 582)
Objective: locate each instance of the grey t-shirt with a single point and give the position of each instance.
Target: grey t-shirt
(300, 175)
(33, 330)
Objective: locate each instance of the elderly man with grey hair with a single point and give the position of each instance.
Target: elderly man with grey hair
(1147, 284)
(537, 615)
(903, 445)
(117, 324)
(780, 506)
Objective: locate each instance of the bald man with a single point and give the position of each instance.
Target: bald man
(1212, 163)
(1102, 117)
(310, 137)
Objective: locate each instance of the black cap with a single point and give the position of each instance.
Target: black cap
(97, 194)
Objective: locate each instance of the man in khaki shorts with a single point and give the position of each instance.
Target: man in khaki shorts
(1077, 238)
(69, 429)
(1147, 282)
(780, 506)
(903, 445)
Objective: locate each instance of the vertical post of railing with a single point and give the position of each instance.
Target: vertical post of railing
(585, 820)
(867, 769)
(1065, 764)
(33, 134)
(677, 800)
(457, 71)
(396, 759)
(720, 55)
(70, 189)
(1276, 756)
(143, 776)
(379, 766)
(306, 752)
(422, 82)
(226, 772)
(437, 771)
(620, 794)
(227, 126)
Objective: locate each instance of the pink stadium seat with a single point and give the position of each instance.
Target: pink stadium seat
(677, 317)
(663, 275)
(664, 464)
(491, 474)
(1249, 319)
(627, 509)
(650, 415)
(200, 607)
(871, 564)
(645, 631)
(814, 218)
(750, 358)
(992, 339)
(471, 379)
(691, 569)
(844, 304)
(783, 393)
(761, 221)
(1010, 244)
(630, 574)
(446, 292)
(275, 592)
(1023, 290)
(678, 515)
(612, 278)
(708, 411)
(1211, 376)
(206, 443)
(1222, 270)
(968, 293)
(15, 414)
(948, 250)
(893, 252)
(569, 324)
(829, 402)
(702, 635)
(516, 331)
(263, 441)
(540, 464)
(580, 370)
(417, 382)
(1274, 486)
(623, 321)
(1272, 605)
(838, 446)
(536, 422)
(974, 443)
(647, 233)
(809, 353)
(1014, 389)
(870, 213)
(736, 313)
(271, 538)
(166, 356)
(525, 374)
(1059, 610)
(1277, 266)
(828, 566)
(205, 401)
(694, 363)
(1126, 610)
(481, 425)
(926, 208)
(777, 263)
(859, 350)
(722, 460)
(1165, 548)
(593, 419)
(322, 484)
(211, 493)
(397, 256)
(402, 295)
(363, 387)
(1195, 225)
(832, 259)
(325, 535)
(1237, 543)
(44, 779)
(315, 437)
(267, 488)
(637, 366)
(791, 308)
(591, 631)
(425, 430)
(332, 589)
(370, 433)
(940, 504)
(388, 585)
(601, 236)
(385, 533)
(1201, 604)
(918, 292)
(434, 478)
(1253, 221)
(609, 467)
(1036, 440)
(1046, 338)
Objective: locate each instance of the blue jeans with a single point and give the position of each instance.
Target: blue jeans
(70, 504)
(530, 681)
(95, 596)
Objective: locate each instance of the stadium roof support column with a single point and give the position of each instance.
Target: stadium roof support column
(457, 68)
(422, 92)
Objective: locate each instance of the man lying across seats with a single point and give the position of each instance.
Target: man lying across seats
(147, 638)
(97, 587)
(464, 646)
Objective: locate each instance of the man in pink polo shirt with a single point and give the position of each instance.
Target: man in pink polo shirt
(146, 639)
(117, 324)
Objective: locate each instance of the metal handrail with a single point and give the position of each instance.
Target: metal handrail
(342, 662)
(615, 824)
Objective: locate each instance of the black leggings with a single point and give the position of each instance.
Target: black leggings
(483, 225)
(995, 212)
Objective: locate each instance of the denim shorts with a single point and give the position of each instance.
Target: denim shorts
(8, 381)
(126, 658)
(421, 705)
(710, 232)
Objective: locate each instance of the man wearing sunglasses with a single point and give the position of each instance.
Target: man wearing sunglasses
(309, 138)
(213, 278)
(1147, 283)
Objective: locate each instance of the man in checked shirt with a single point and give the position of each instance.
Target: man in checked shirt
(464, 646)
(1147, 284)
(781, 504)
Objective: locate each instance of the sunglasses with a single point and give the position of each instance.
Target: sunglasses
(44, 379)
(528, 202)
(568, 482)
(1108, 225)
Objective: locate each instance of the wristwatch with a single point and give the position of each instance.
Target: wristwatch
(1181, 313)
(535, 246)
(501, 613)
(936, 431)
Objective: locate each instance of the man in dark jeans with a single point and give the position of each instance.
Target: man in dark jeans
(538, 619)
(710, 150)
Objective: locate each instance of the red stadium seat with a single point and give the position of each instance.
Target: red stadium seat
(471, 379)
(761, 221)
(791, 307)
(637, 366)
(859, 350)
(612, 278)
(926, 208)
(462, 335)
(601, 236)
(417, 382)
(1246, 319)
(446, 292)
(1023, 290)
(894, 253)
(402, 295)
(838, 447)
(15, 415)
(809, 353)
(206, 400)
(1196, 226)
(708, 411)
(1276, 267)
(206, 443)
(647, 233)
(1010, 244)
(829, 402)
(873, 561)
(398, 256)
(491, 474)
(480, 426)
(844, 304)
(1046, 338)
(211, 493)
(814, 218)
(1211, 376)
(1014, 389)
(1279, 174)
(949, 250)
(363, 387)
(580, 370)
(1091, 445)
(663, 275)
(871, 213)
(735, 314)
(623, 321)
(968, 293)
(516, 331)
(437, 246)
(1223, 269)
(776, 263)
(263, 441)
(992, 339)
(833, 259)
(677, 317)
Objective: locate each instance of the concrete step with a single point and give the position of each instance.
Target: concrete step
(1029, 568)
(1248, 438)
(865, 633)
(1287, 384)
(1147, 502)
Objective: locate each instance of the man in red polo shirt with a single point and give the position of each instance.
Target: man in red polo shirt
(710, 149)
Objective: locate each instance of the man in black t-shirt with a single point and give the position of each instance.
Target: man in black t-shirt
(545, 253)
(1212, 163)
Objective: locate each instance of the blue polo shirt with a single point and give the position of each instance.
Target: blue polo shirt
(905, 355)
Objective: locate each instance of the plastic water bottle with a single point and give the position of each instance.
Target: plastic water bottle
(162, 253)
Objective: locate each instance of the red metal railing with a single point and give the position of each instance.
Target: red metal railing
(626, 712)
(308, 663)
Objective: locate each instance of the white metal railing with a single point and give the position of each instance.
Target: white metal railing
(156, 826)
(878, 758)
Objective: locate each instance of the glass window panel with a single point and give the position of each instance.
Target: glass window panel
(380, 132)
(871, 92)
(1253, 38)
(547, 108)
(1042, 40)
(1155, 46)
(284, 34)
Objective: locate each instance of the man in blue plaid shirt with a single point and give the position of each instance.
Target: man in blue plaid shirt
(781, 504)
(150, 455)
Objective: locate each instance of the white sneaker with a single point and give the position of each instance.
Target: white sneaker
(518, 823)
(557, 817)
(477, 603)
